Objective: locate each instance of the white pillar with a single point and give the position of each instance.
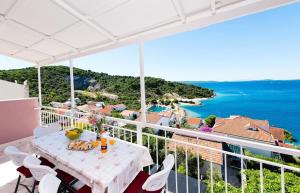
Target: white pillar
(143, 95)
(72, 93)
(40, 86)
(72, 85)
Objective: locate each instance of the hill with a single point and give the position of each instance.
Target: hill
(56, 85)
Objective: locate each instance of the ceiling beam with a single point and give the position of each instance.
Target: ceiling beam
(213, 6)
(81, 17)
(193, 22)
(179, 10)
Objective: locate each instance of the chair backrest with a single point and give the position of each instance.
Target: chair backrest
(158, 180)
(88, 136)
(49, 184)
(15, 155)
(38, 171)
(42, 131)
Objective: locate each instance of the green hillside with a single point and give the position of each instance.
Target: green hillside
(56, 85)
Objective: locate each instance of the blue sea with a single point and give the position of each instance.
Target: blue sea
(273, 100)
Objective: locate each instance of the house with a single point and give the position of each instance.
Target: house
(167, 118)
(278, 134)
(162, 119)
(106, 111)
(129, 114)
(11, 90)
(60, 105)
(194, 122)
(96, 104)
(152, 117)
(91, 107)
(206, 155)
(249, 129)
(119, 107)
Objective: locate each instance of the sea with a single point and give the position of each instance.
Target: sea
(277, 101)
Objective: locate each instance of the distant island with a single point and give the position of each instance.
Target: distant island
(112, 89)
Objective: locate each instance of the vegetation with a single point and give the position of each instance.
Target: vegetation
(210, 120)
(289, 137)
(56, 85)
(287, 159)
(272, 182)
(116, 114)
(192, 162)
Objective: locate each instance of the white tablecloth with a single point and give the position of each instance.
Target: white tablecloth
(111, 172)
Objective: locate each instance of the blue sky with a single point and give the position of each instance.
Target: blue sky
(261, 46)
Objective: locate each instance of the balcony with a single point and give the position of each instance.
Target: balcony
(48, 32)
(201, 159)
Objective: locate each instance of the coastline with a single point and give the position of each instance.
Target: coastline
(196, 101)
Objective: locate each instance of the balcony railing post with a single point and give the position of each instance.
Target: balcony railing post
(143, 95)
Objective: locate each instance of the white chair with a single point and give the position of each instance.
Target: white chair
(88, 136)
(39, 171)
(42, 131)
(17, 158)
(144, 182)
(157, 181)
(49, 184)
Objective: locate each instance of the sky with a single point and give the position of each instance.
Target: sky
(261, 46)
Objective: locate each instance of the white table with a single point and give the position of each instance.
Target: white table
(111, 172)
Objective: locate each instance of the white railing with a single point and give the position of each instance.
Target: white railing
(192, 173)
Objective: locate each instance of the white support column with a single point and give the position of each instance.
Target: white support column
(143, 95)
(40, 93)
(72, 85)
(72, 92)
(40, 86)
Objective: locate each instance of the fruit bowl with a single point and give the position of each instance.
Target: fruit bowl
(73, 134)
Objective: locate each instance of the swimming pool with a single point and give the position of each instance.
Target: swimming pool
(157, 108)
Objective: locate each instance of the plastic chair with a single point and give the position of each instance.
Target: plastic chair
(42, 131)
(144, 183)
(49, 184)
(39, 171)
(17, 158)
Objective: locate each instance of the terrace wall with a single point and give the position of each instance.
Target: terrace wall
(18, 118)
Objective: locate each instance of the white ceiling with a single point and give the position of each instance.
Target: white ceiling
(47, 31)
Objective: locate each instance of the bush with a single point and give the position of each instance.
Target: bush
(210, 120)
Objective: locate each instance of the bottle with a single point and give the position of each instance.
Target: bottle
(103, 145)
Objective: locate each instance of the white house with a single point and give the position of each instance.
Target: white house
(128, 114)
(119, 107)
(11, 90)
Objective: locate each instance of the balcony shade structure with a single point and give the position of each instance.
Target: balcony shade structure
(49, 31)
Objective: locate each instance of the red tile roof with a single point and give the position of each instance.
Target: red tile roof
(278, 133)
(194, 121)
(239, 126)
(106, 110)
(214, 156)
(285, 145)
(152, 117)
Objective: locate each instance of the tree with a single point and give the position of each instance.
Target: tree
(210, 120)
(167, 102)
(154, 101)
(192, 162)
(289, 137)
(116, 114)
